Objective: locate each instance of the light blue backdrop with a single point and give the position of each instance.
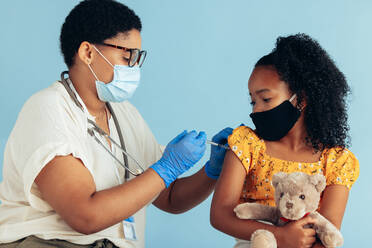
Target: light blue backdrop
(195, 77)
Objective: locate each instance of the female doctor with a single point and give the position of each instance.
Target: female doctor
(81, 165)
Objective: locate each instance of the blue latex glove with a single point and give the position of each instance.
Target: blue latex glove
(214, 165)
(180, 155)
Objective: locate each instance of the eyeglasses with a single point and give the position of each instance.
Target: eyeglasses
(136, 56)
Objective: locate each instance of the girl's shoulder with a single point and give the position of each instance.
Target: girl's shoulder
(341, 166)
(243, 135)
(338, 155)
(246, 145)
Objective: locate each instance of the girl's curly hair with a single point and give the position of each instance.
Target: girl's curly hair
(312, 75)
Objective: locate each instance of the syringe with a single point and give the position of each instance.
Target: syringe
(216, 144)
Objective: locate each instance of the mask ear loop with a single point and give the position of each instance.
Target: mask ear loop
(103, 56)
(291, 99)
(93, 72)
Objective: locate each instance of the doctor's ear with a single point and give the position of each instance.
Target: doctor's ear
(85, 53)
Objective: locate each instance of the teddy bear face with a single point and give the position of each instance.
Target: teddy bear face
(297, 193)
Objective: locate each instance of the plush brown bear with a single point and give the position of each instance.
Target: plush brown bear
(296, 195)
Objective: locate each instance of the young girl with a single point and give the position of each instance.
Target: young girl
(298, 98)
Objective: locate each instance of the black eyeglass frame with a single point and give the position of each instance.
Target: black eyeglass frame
(140, 54)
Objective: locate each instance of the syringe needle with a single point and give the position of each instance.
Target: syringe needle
(216, 144)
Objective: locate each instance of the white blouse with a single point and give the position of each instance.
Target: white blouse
(50, 124)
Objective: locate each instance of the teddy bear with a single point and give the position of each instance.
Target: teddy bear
(296, 195)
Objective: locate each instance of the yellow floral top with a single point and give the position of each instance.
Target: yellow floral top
(339, 166)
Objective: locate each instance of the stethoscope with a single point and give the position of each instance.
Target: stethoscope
(96, 129)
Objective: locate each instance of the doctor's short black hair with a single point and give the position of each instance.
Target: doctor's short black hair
(312, 75)
(95, 21)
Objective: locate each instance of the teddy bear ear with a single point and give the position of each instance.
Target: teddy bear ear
(319, 181)
(277, 178)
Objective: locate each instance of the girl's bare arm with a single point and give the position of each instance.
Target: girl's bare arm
(333, 205)
(225, 199)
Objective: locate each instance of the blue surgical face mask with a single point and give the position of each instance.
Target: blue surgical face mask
(123, 85)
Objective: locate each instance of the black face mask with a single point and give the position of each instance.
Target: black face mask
(275, 123)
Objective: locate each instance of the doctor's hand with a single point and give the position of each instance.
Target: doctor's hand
(214, 165)
(180, 155)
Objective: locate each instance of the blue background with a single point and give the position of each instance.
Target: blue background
(201, 54)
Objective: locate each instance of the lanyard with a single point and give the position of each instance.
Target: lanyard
(96, 129)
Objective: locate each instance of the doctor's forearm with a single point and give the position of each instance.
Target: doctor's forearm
(186, 193)
(69, 188)
(110, 206)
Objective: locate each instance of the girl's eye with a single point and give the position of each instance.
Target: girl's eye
(302, 197)
(126, 59)
(267, 99)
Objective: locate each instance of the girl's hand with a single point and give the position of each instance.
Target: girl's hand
(318, 245)
(294, 235)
